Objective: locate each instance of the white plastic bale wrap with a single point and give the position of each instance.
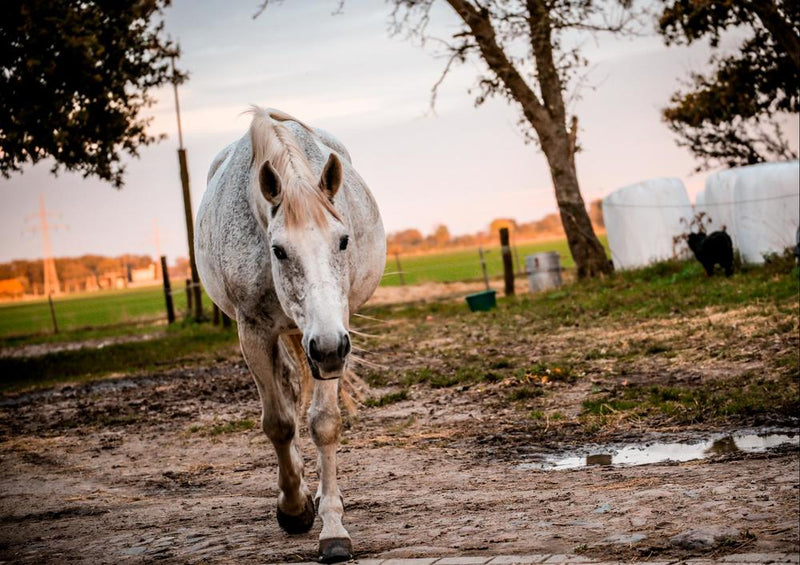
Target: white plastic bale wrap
(759, 206)
(642, 220)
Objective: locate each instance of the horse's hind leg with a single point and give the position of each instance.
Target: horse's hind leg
(279, 391)
(325, 423)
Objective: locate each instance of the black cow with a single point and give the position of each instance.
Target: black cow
(713, 249)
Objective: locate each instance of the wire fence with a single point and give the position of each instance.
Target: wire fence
(104, 309)
(90, 310)
(704, 204)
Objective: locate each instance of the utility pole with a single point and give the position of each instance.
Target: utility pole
(51, 283)
(187, 205)
(156, 241)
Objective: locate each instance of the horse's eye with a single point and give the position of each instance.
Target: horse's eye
(343, 242)
(280, 254)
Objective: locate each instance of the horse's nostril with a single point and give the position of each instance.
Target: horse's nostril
(344, 346)
(313, 352)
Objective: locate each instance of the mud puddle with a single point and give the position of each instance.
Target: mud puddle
(749, 441)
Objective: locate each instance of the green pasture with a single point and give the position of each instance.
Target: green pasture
(672, 289)
(126, 307)
(88, 310)
(464, 264)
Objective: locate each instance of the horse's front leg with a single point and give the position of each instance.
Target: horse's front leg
(325, 423)
(278, 390)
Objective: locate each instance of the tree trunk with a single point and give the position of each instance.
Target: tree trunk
(587, 251)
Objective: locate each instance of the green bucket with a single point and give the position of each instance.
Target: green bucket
(485, 300)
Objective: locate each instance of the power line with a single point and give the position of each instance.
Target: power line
(51, 282)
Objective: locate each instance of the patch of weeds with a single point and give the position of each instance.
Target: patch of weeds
(594, 354)
(374, 378)
(656, 348)
(501, 364)
(536, 415)
(779, 263)
(415, 376)
(603, 406)
(557, 416)
(221, 428)
(233, 427)
(387, 399)
(443, 380)
(745, 396)
(178, 346)
(525, 393)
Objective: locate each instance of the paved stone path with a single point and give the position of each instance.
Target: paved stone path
(545, 559)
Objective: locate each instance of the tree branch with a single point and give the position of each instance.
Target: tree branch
(542, 49)
(477, 19)
(457, 54)
(780, 29)
(261, 8)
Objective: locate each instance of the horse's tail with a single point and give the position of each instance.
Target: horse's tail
(352, 389)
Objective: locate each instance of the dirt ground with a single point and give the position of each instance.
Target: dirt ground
(172, 466)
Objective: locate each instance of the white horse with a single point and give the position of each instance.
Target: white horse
(289, 242)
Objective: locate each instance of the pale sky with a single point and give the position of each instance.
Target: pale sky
(462, 167)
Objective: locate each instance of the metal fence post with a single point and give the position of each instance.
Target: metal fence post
(52, 312)
(399, 269)
(483, 267)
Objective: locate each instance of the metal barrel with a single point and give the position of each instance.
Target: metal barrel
(544, 270)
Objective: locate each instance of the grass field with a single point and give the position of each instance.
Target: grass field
(109, 308)
(89, 310)
(465, 264)
(628, 300)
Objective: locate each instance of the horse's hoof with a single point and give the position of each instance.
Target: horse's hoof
(300, 523)
(333, 550)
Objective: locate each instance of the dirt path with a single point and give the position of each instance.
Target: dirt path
(170, 467)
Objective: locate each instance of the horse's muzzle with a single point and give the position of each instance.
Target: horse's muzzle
(327, 356)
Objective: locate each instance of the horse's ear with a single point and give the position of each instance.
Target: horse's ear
(331, 178)
(270, 184)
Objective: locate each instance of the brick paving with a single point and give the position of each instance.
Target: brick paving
(558, 559)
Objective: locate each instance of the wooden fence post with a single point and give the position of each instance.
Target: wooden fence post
(399, 269)
(167, 291)
(52, 312)
(214, 314)
(508, 265)
(189, 297)
(483, 267)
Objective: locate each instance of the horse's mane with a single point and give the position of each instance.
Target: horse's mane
(303, 201)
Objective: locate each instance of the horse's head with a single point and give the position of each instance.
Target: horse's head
(309, 245)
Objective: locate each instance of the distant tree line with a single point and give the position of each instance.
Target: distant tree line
(412, 240)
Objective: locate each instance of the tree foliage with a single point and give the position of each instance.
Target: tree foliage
(731, 115)
(74, 79)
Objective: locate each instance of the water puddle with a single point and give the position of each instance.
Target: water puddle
(660, 452)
